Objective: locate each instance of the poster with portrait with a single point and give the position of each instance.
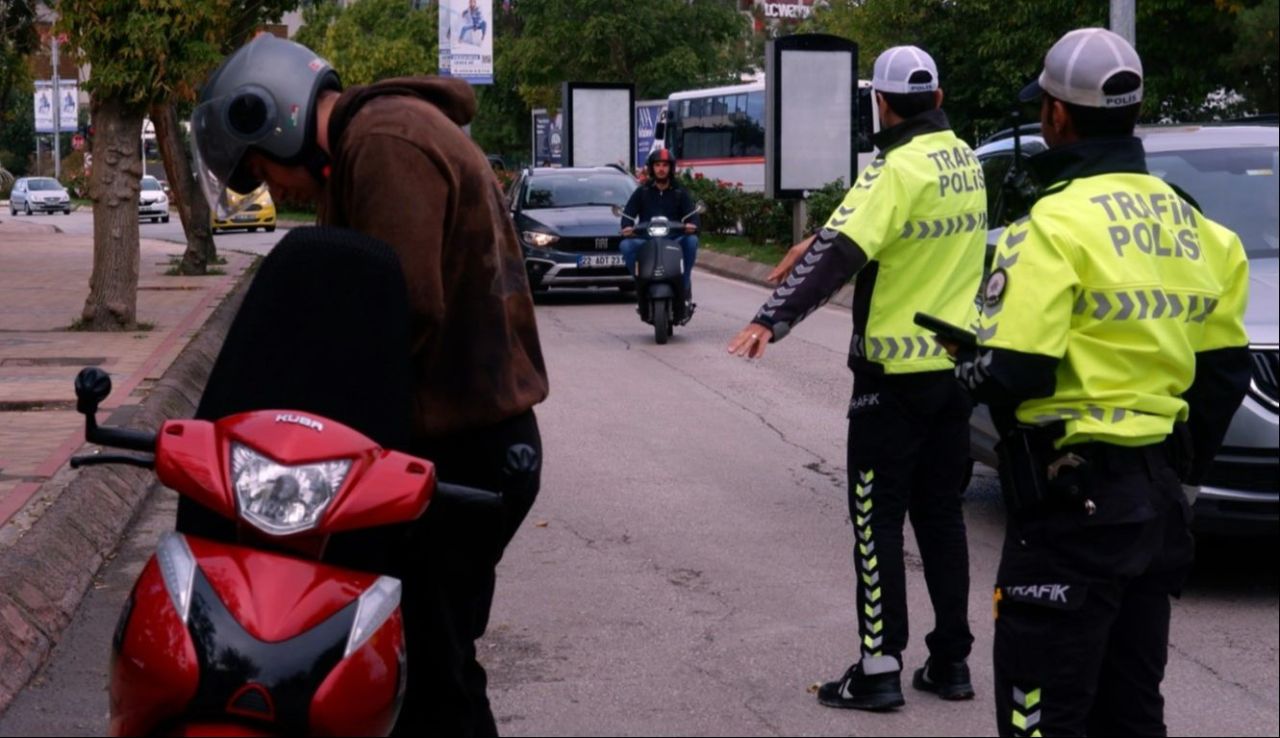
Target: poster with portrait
(66, 105)
(466, 40)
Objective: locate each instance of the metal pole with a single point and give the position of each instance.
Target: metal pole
(1123, 20)
(57, 116)
(798, 217)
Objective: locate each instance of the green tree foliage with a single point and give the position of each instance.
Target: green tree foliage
(372, 39)
(660, 45)
(1256, 55)
(988, 49)
(145, 55)
(18, 38)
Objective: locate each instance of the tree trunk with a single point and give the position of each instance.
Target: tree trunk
(112, 304)
(193, 210)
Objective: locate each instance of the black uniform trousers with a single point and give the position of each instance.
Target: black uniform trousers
(448, 576)
(1082, 601)
(908, 453)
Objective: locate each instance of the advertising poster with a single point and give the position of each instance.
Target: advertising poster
(67, 106)
(466, 40)
(548, 142)
(442, 39)
(648, 113)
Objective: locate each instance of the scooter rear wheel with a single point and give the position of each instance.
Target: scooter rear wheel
(661, 320)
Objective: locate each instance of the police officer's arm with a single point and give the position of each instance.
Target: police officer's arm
(871, 216)
(417, 234)
(1024, 320)
(1223, 365)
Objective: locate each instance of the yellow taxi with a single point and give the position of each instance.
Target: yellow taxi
(249, 212)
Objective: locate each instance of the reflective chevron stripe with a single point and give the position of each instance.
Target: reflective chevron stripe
(868, 564)
(1144, 305)
(1026, 712)
(1100, 414)
(939, 227)
(906, 347)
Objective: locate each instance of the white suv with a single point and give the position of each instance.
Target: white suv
(39, 195)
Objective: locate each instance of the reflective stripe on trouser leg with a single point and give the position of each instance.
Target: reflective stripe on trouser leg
(871, 618)
(1025, 715)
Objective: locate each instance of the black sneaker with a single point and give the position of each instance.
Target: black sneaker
(947, 679)
(858, 691)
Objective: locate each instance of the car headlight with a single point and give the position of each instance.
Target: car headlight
(539, 239)
(279, 499)
(659, 231)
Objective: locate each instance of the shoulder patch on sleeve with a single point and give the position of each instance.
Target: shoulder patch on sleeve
(993, 293)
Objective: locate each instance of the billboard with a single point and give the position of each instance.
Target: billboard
(466, 40)
(811, 114)
(67, 106)
(599, 124)
(648, 113)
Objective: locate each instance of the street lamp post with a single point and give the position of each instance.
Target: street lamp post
(1123, 21)
(57, 115)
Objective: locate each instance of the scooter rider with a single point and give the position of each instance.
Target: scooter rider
(275, 112)
(661, 195)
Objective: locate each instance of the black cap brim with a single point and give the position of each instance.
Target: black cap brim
(1031, 92)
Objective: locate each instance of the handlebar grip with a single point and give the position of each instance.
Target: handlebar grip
(134, 440)
(457, 494)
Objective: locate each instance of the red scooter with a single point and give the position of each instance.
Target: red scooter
(260, 637)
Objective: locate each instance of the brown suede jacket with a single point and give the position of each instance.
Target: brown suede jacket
(404, 171)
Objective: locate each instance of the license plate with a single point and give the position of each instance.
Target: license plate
(600, 260)
(244, 218)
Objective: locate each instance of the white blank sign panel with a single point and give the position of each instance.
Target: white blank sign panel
(601, 127)
(817, 118)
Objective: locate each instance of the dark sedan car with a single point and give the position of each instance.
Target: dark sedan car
(570, 236)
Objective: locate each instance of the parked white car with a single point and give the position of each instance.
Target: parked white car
(32, 195)
(153, 203)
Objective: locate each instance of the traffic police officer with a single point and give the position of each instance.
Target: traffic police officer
(1110, 309)
(913, 230)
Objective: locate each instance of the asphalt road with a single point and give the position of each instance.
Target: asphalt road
(80, 223)
(687, 567)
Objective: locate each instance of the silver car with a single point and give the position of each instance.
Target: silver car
(153, 203)
(39, 195)
(1232, 172)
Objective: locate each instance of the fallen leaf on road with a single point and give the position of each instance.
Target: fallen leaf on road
(813, 688)
(540, 524)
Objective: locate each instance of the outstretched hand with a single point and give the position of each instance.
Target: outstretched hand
(750, 341)
(783, 267)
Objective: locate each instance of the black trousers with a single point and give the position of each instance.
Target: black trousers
(449, 577)
(908, 454)
(1082, 602)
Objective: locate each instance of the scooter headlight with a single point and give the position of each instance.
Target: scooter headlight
(659, 231)
(281, 500)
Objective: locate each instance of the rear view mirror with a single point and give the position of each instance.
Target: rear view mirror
(701, 207)
(616, 210)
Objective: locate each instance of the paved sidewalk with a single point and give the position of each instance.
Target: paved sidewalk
(58, 526)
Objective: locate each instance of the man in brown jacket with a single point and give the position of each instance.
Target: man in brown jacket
(391, 161)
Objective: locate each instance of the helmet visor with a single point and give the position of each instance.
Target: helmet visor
(222, 132)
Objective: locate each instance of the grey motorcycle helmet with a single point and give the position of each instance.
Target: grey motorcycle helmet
(261, 98)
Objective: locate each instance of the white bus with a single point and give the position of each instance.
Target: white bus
(719, 132)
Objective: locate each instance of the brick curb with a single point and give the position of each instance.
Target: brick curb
(45, 574)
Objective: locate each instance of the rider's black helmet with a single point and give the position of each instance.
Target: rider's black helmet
(659, 155)
(262, 98)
